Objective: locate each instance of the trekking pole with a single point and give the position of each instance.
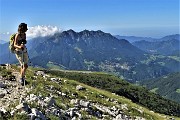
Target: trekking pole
(23, 64)
(29, 59)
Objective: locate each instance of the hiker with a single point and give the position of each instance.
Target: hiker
(21, 50)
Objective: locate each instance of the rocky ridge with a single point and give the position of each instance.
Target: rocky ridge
(58, 101)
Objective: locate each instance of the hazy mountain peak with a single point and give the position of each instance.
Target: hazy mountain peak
(2, 41)
(71, 31)
(87, 32)
(168, 37)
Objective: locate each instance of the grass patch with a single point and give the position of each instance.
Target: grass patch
(178, 90)
(154, 90)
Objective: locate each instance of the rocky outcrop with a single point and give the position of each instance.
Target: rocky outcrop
(11, 93)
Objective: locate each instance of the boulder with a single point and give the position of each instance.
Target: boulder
(3, 110)
(79, 87)
(49, 101)
(37, 114)
(40, 73)
(84, 103)
(2, 85)
(23, 107)
(2, 93)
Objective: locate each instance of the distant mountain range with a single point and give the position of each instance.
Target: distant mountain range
(2, 41)
(166, 47)
(95, 51)
(170, 37)
(132, 39)
(135, 38)
(78, 50)
(167, 86)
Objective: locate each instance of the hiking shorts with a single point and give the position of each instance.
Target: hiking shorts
(20, 56)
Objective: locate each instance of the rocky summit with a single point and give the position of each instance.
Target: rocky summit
(48, 97)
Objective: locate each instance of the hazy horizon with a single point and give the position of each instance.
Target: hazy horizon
(37, 31)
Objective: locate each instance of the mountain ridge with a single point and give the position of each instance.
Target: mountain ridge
(94, 51)
(132, 39)
(167, 86)
(166, 47)
(89, 42)
(47, 93)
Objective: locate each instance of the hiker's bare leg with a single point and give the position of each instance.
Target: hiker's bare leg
(23, 70)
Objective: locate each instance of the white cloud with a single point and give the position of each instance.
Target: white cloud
(42, 31)
(7, 33)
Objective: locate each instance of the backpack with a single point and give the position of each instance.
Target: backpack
(11, 43)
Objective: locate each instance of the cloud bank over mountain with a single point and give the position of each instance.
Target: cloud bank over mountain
(41, 31)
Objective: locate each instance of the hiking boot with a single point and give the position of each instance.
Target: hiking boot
(22, 81)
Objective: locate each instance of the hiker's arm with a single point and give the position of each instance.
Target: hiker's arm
(16, 43)
(25, 36)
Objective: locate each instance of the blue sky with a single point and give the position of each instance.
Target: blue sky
(151, 18)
